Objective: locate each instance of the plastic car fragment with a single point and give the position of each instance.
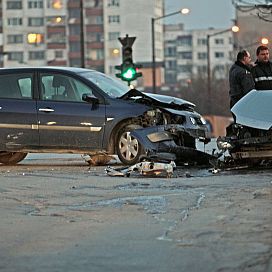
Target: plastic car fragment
(146, 168)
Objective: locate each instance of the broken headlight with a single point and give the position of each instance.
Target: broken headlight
(193, 121)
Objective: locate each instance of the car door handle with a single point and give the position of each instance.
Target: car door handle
(46, 110)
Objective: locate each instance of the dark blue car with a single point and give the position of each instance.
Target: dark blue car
(74, 110)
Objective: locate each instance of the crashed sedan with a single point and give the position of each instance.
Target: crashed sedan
(75, 110)
(249, 139)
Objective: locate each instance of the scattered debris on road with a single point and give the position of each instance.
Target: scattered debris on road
(99, 159)
(146, 168)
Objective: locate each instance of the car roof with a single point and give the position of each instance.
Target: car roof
(47, 68)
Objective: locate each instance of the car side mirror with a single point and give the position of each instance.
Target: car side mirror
(90, 98)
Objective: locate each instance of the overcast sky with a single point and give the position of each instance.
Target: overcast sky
(204, 13)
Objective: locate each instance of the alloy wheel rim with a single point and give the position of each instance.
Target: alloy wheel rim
(128, 146)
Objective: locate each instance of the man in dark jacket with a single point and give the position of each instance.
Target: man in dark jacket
(262, 71)
(240, 78)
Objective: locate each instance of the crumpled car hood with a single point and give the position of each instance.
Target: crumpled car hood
(158, 100)
(254, 109)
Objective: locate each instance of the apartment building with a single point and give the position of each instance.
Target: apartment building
(186, 53)
(49, 33)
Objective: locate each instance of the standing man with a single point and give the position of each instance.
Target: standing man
(262, 71)
(240, 77)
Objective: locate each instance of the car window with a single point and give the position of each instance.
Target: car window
(16, 86)
(111, 86)
(59, 87)
(25, 87)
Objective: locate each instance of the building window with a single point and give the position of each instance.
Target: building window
(55, 20)
(113, 3)
(219, 68)
(55, 4)
(75, 46)
(185, 68)
(74, 13)
(94, 20)
(202, 69)
(16, 56)
(185, 40)
(74, 29)
(36, 55)
(96, 54)
(171, 78)
(185, 55)
(114, 36)
(58, 54)
(14, 21)
(114, 19)
(35, 4)
(56, 37)
(171, 64)
(202, 55)
(95, 3)
(75, 62)
(35, 38)
(14, 5)
(219, 55)
(15, 38)
(95, 37)
(201, 41)
(35, 21)
(219, 41)
(170, 52)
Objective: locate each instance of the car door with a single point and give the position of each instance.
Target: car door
(65, 120)
(18, 115)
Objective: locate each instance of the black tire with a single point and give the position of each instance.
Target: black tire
(128, 148)
(11, 158)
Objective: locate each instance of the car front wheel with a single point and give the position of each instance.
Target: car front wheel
(128, 148)
(11, 158)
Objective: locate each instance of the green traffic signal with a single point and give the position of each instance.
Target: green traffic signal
(129, 74)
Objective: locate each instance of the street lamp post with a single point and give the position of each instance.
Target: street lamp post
(82, 41)
(182, 11)
(233, 29)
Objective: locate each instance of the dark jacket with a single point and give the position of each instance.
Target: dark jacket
(262, 74)
(240, 81)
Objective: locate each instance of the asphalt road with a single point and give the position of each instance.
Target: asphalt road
(59, 214)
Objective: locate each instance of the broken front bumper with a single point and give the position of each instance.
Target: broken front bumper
(162, 139)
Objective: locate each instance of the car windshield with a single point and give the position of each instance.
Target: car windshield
(111, 86)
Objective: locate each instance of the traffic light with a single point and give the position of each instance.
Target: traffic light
(128, 69)
(127, 53)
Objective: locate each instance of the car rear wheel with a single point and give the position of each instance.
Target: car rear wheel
(129, 149)
(11, 158)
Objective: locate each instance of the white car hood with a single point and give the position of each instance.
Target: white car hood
(255, 109)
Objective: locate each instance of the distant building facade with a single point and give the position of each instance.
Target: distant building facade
(186, 54)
